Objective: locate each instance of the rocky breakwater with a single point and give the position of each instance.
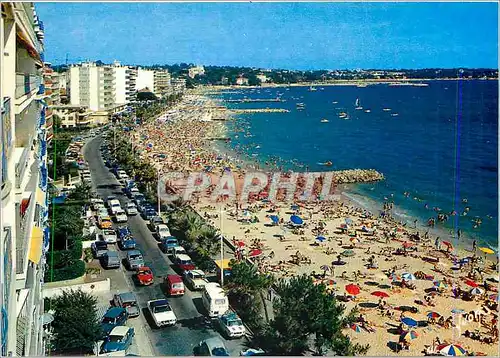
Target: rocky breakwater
(352, 176)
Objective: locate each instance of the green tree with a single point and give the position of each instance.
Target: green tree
(81, 192)
(76, 326)
(305, 313)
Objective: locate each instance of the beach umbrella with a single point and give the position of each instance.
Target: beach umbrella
(246, 213)
(348, 221)
(352, 289)
(410, 322)
(439, 284)
(294, 207)
(409, 335)
(240, 244)
(407, 244)
(470, 283)
(476, 291)
(457, 310)
(356, 327)
(380, 294)
(493, 297)
(448, 244)
(433, 315)
(451, 350)
(275, 219)
(355, 239)
(408, 276)
(347, 253)
(325, 268)
(486, 250)
(320, 238)
(255, 252)
(296, 220)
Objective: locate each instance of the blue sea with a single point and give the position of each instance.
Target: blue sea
(435, 145)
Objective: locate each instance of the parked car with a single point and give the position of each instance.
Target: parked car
(174, 284)
(184, 263)
(111, 260)
(102, 211)
(128, 301)
(123, 231)
(162, 231)
(144, 276)
(120, 216)
(162, 313)
(114, 206)
(195, 279)
(121, 174)
(168, 243)
(109, 198)
(95, 202)
(131, 209)
(119, 339)
(114, 316)
(148, 214)
(134, 259)
(210, 347)
(109, 236)
(137, 198)
(231, 325)
(178, 250)
(99, 249)
(104, 222)
(127, 243)
(154, 222)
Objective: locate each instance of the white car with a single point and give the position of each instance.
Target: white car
(178, 250)
(162, 231)
(195, 279)
(120, 216)
(121, 174)
(114, 206)
(231, 325)
(131, 209)
(109, 236)
(162, 313)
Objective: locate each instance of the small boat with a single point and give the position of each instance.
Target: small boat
(326, 164)
(386, 109)
(367, 111)
(361, 85)
(394, 114)
(324, 120)
(312, 89)
(357, 104)
(257, 147)
(335, 102)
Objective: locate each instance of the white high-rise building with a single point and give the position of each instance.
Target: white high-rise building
(120, 74)
(23, 213)
(145, 79)
(92, 86)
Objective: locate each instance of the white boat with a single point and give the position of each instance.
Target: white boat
(367, 111)
(312, 89)
(357, 104)
(386, 109)
(394, 114)
(324, 120)
(335, 102)
(343, 115)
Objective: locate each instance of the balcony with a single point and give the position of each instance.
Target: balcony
(22, 165)
(26, 84)
(7, 133)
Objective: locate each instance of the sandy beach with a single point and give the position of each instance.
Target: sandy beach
(400, 272)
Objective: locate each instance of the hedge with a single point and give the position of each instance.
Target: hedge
(59, 258)
(66, 273)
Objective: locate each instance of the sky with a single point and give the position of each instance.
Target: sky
(302, 36)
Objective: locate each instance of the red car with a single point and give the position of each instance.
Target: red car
(145, 276)
(175, 286)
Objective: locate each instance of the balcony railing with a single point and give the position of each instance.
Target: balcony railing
(22, 237)
(26, 83)
(6, 138)
(22, 166)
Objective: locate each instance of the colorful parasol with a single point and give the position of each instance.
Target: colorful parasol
(440, 284)
(447, 243)
(380, 294)
(451, 350)
(408, 276)
(241, 244)
(493, 297)
(356, 327)
(476, 291)
(407, 244)
(255, 252)
(409, 335)
(433, 315)
(352, 289)
(409, 321)
(394, 277)
(325, 268)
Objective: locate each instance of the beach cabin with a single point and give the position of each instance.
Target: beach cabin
(214, 299)
(224, 266)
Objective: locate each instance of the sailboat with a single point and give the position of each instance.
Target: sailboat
(357, 104)
(312, 89)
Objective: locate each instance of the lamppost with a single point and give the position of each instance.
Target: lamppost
(221, 248)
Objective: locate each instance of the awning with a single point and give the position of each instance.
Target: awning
(33, 52)
(40, 196)
(36, 245)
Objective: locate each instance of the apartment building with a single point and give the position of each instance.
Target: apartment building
(145, 79)
(130, 84)
(197, 70)
(92, 86)
(162, 85)
(73, 116)
(24, 239)
(178, 85)
(53, 97)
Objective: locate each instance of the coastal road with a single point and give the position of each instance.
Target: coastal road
(192, 326)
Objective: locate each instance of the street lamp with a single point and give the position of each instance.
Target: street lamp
(221, 249)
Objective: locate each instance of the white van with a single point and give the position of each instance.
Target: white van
(214, 299)
(114, 206)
